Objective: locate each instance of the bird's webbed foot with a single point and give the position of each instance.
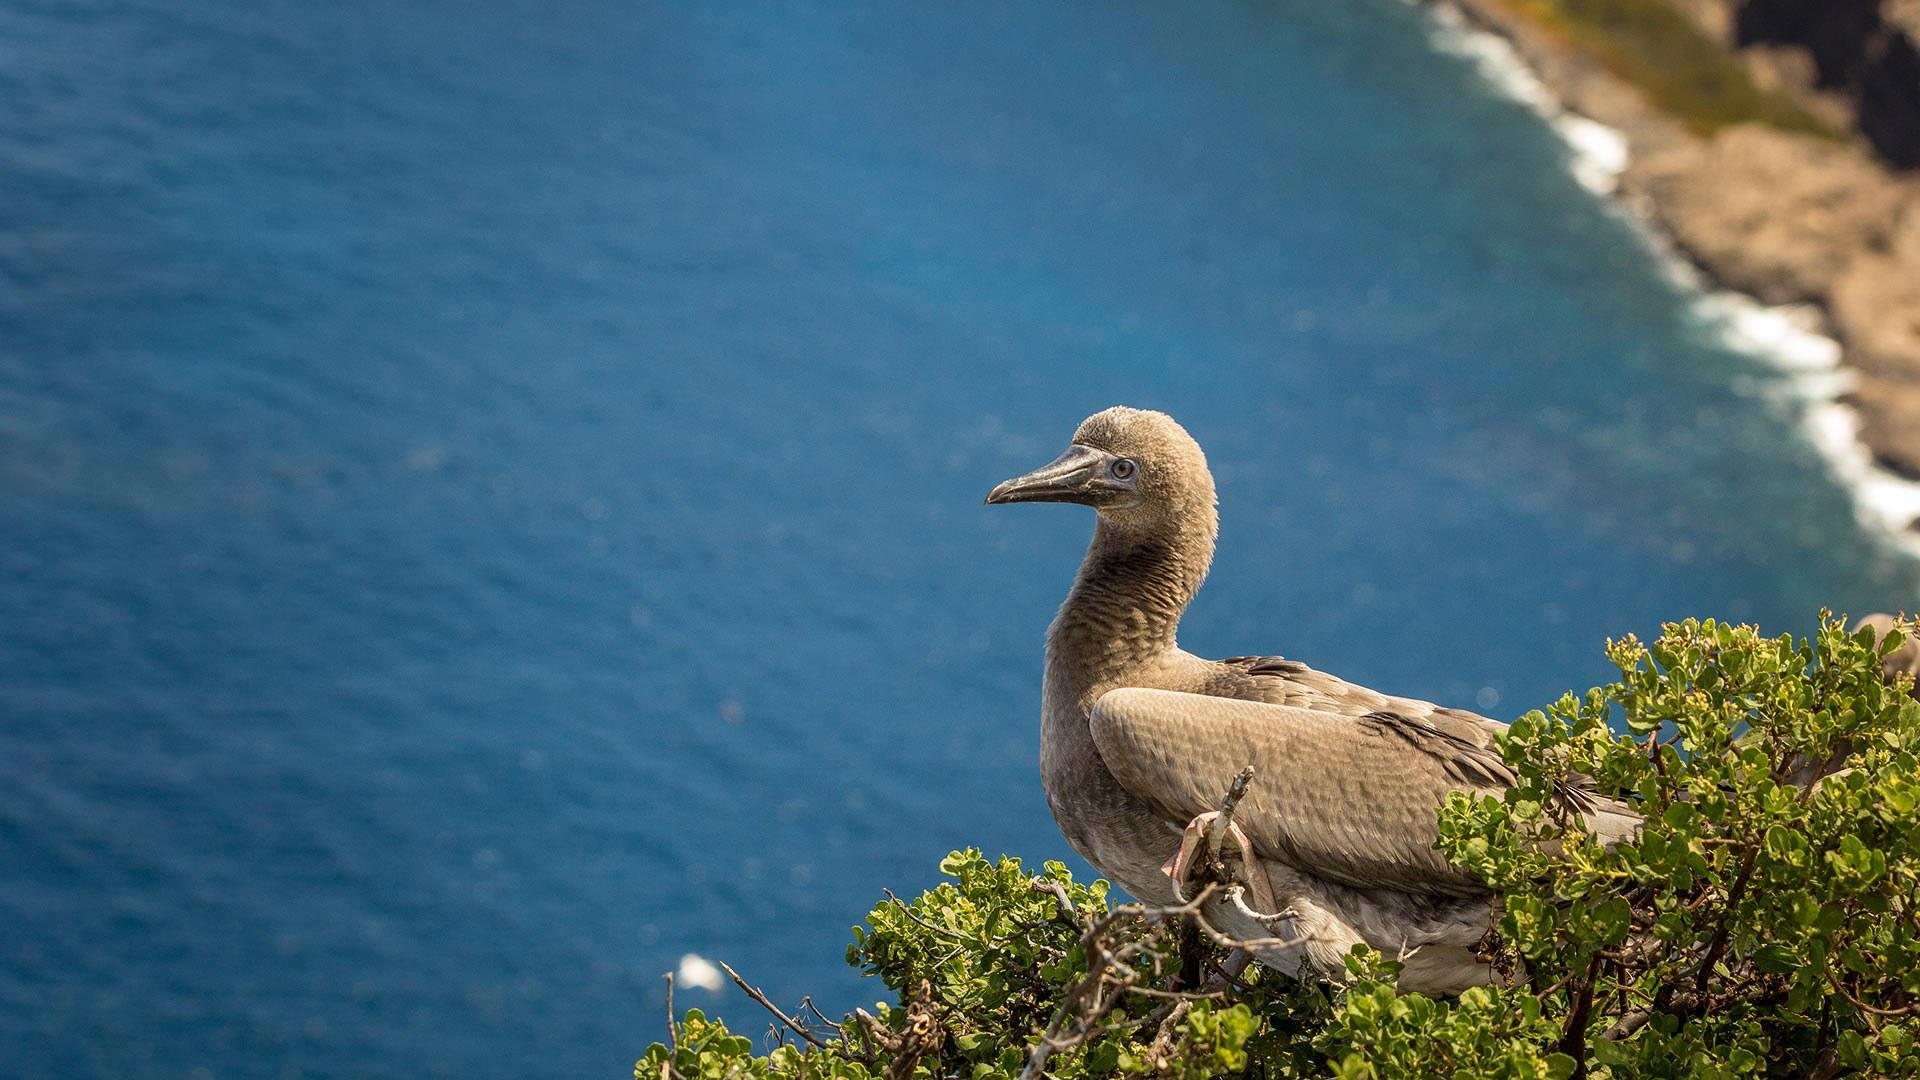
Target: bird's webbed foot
(1219, 851)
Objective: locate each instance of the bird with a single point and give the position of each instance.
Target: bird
(1904, 660)
(1336, 835)
(1899, 667)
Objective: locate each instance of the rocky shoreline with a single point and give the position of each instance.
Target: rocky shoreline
(1786, 217)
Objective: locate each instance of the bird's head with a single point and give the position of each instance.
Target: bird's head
(1138, 468)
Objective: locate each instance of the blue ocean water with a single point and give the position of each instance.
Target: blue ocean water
(491, 492)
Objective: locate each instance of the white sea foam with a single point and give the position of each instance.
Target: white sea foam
(1787, 336)
(1598, 153)
(1789, 339)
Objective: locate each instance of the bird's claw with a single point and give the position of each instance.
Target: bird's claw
(1235, 863)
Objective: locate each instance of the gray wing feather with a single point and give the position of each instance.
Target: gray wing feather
(1351, 799)
(1280, 681)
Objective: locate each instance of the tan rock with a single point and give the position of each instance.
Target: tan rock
(1772, 213)
(1875, 304)
(1876, 310)
(1905, 245)
(1715, 18)
(1889, 411)
(1904, 14)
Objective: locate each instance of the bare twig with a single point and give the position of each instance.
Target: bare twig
(1162, 1048)
(1628, 1024)
(1217, 833)
(921, 1035)
(1904, 1010)
(673, 1030)
(807, 1006)
(667, 1071)
(1081, 1006)
(908, 912)
(1725, 925)
(1086, 1001)
(1187, 996)
(871, 1032)
(1237, 896)
(950, 955)
(1234, 895)
(1573, 1041)
(754, 992)
(1059, 894)
(1226, 973)
(1113, 974)
(1826, 1066)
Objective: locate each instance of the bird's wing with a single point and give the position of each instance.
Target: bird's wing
(1280, 681)
(1350, 799)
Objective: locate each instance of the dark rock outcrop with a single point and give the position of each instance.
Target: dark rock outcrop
(1859, 48)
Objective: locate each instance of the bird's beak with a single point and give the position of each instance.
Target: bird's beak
(1067, 478)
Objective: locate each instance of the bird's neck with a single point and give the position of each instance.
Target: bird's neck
(1125, 607)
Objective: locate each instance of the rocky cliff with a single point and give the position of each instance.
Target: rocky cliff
(1790, 216)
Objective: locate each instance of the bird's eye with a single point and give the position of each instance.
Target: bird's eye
(1122, 468)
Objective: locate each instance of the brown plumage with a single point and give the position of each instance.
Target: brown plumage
(1902, 664)
(1138, 736)
(1903, 661)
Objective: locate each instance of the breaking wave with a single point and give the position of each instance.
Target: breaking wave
(1807, 376)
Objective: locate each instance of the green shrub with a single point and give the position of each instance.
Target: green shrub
(1758, 926)
(1685, 73)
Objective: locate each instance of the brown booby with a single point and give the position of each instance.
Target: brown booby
(1904, 660)
(1139, 739)
(1902, 663)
